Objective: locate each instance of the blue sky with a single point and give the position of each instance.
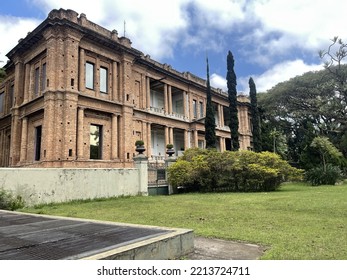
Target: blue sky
(271, 40)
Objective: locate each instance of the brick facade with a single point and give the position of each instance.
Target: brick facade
(77, 95)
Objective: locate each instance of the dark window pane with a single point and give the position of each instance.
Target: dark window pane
(95, 141)
(37, 81)
(38, 134)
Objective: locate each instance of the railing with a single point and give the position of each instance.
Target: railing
(161, 111)
(157, 158)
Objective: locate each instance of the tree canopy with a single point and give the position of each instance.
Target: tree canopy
(304, 107)
(255, 116)
(210, 123)
(232, 95)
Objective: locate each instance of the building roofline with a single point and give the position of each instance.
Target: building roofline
(108, 38)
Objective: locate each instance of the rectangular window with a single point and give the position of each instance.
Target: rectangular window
(38, 135)
(103, 80)
(2, 102)
(37, 81)
(43, 77)
(89, 75)
(201, 105)
(95, 141)
(195, 111)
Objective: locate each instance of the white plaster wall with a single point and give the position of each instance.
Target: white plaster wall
(45, 185)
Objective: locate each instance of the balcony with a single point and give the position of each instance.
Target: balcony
(161, 112)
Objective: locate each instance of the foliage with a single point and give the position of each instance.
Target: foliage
(139, 143)
(255, 117)
(210, 123)
(241, 171)
(302, 108)
(327, 150)
(328, 175)
(232, 95)
(10, 202)
(169, 146)
(180, 174)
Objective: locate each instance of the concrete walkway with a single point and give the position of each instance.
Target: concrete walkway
(217, 249)
(37, 237)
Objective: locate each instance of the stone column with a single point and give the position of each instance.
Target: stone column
(168, 162)
(166, 109)
(141, 163)
(27, 83)
(15, 137)
(169, 99)
(148, 93)
(82, 84)
(50, 121)
(80, 132)
(149, 141)
(195, 138)
(184, 103)
(24, 140)
(114, 137)
(19, 82)
(190, 106)
(171, 136)
(222, 115)
(115, 90)
(221, 144)
(186, 140)
(167, 137)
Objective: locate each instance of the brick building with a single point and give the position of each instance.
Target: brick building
(77, 95)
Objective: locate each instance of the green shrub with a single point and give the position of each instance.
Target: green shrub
(318, 176)
(9, 202)
(209, 170)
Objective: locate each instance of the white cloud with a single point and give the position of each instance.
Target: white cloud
(12, 29)
(218, 81)
(283, 25)
(280, 72)
(153, 26)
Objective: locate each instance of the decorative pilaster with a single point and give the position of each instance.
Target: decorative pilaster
(196, 143)
(80, 131)
(82, 82)
(148, 93)
(169, 99)
(114, 137)
(149, 140)
(166, 109)
(24, 140)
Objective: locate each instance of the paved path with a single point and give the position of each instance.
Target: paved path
(217, 249)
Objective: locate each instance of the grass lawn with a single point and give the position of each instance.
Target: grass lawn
(295, 222)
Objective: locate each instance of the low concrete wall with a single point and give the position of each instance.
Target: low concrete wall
(46, 185)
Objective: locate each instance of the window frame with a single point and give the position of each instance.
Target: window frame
(102, 68)
(90, 75)
(195, 110)
(38, 142)
(99, 149)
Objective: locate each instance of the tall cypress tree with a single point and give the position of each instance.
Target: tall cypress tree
(210, 124)
(255, 116)
(232, 95)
